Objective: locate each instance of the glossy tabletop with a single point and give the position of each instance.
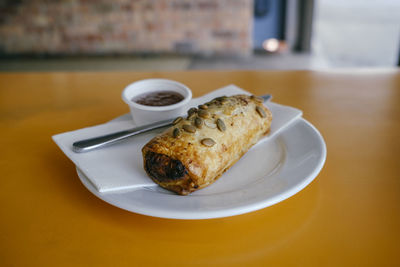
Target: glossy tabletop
(348, 216)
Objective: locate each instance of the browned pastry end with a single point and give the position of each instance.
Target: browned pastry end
(198, 149)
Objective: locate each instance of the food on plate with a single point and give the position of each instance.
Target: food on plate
(198, 149)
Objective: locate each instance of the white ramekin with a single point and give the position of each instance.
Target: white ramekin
(142, 114)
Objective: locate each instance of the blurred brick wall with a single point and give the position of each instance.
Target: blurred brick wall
(125, 26)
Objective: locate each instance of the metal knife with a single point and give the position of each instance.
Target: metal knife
(104, 140)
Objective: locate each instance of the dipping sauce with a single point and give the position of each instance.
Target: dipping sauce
(158, 98)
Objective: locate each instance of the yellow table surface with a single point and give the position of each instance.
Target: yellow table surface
(348, 216)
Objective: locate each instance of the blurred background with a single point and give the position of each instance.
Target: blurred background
(76, 35)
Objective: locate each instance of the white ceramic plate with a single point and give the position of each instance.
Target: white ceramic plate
(272, 171)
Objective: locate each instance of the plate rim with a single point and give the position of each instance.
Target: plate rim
(231, 211)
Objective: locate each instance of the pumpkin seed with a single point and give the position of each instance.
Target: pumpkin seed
(191, 116)
(208, 142)
(177, 120)
(221, 98)
(203, 107)
(221, 125)
(191, 111)
(261, 111)
(198, 122)
(210, 124)
(189, 128)
(257, 98)
(203, 113)
(176, 132)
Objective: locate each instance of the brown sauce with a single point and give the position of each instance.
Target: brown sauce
(158, 98)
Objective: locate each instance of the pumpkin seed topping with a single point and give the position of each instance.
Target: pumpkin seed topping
(203, 113)
(177, 120)
(176, 132)
(261, 111)
(203, 107)
(208, 142)
(198, 122)
(191, 116)
(221, 125)
(210, 124)
(257, 98)
(191, 111)
(189, 128)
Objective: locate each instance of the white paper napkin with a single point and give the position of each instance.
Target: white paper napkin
(120, 166)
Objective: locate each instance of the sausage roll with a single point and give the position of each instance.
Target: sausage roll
(198, 149)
